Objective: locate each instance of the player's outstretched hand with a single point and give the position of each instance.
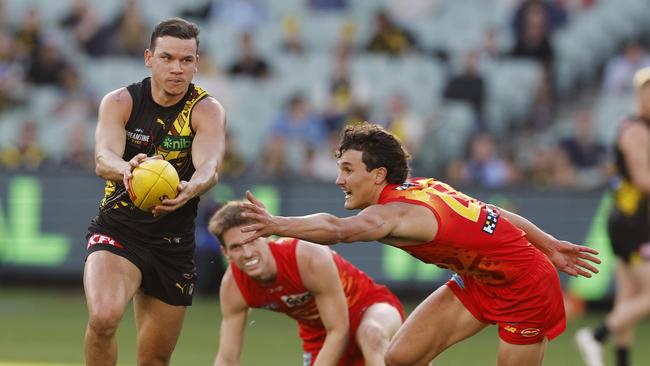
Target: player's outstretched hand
(170, 204)
(574, 260)
(264, 224)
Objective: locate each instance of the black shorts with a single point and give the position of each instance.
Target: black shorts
(166, 276)
(627, 235)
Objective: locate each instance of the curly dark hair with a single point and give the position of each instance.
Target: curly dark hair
(227, 217)
(379, 148)
(177, 28)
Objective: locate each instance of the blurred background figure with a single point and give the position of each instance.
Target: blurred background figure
(249, 63)
(587, 155)
(620, 69)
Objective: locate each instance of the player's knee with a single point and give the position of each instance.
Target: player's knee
(104, 323)
(372, 336)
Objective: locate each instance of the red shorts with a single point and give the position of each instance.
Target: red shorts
(353, 355)
(526, 311)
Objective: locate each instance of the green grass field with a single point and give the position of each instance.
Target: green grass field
(46, 327)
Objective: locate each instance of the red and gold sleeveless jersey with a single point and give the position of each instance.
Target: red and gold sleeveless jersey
(473, 240)
(288, 295)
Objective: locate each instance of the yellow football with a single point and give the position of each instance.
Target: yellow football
(153, 181)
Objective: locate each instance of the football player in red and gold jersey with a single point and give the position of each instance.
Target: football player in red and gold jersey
(503, 263)
(344, 317)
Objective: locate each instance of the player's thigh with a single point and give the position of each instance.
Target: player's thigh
(521, 354)
(641, 274)
(440, 321)
(378, 324)
(110, 281)
(158, 327)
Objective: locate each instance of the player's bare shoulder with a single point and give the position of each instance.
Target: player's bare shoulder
(208, 111)
(117, 102)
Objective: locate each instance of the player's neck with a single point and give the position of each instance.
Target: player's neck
(164, 99)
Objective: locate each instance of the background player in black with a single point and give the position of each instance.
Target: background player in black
(126, 261)
(629, 232)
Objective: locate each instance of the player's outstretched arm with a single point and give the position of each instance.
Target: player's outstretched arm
(233, 322)
(373, 223)
(575, 260)
(208, 146)
(320, 276)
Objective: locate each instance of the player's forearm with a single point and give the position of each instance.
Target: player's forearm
(333, 348)
(320, 228)
(536, 236)
(204, 178)
(109, 165)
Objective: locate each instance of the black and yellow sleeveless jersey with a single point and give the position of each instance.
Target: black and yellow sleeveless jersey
(629, 201)
(153, 130)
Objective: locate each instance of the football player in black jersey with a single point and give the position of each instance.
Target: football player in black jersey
(142, 256)
(629, 232)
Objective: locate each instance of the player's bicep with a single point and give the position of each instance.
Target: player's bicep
(209, 123)
(114, 112)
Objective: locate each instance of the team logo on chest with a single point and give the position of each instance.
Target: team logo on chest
(297, 299)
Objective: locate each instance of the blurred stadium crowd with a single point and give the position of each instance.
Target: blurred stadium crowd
(484, 92)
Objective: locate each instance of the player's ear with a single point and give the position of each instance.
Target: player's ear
(380, 175)
(147, 57)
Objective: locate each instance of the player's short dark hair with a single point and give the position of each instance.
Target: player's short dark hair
(227, 217)
(379, 148)
(177, 28)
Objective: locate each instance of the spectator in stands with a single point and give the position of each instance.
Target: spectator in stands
(533, 39)
(292, 43)
(249, 63)
(533, 42)
(48, 66)
(546, 165)
(389, 38)
(553, 10)
(294, 132)
(469, 86)
(484, 166)
(77, 102)
(78, 156)
(341, 93)
(26, 153)
(29, 36)
(588, 157)
(272, 161)
(129, 31)
(620, 70)
(91, 36)
(11, 74)
(404, 123)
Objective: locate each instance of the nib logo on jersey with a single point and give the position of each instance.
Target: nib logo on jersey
(176, 143)
(138, 137)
